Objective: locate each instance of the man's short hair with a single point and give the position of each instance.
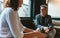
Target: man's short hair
(45, 6)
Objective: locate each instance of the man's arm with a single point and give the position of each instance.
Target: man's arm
(50, 22)
(38, 25)
(28, 30)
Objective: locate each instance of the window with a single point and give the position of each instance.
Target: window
(25, 10)
(1, 4)
(54, 8)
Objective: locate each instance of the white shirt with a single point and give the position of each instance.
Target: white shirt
(10, 24)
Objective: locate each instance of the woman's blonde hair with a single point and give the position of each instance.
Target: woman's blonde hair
(6, 3)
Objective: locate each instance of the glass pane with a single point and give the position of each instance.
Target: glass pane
(24, 11)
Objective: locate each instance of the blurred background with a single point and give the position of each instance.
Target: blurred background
(30, 8)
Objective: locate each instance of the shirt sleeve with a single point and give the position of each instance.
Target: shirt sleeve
(38, 25)
(50, 22)
(15, 27)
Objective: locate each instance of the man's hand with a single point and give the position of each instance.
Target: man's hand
(46, 29)
(36, 30)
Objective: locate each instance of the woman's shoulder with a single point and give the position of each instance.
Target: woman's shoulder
(8, 9)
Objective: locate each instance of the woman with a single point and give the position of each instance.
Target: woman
(10, 26)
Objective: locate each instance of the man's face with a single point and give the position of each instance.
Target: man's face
(43, 11)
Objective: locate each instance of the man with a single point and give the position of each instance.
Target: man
(44, 22)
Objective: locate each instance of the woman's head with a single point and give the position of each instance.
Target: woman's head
(13, 3)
